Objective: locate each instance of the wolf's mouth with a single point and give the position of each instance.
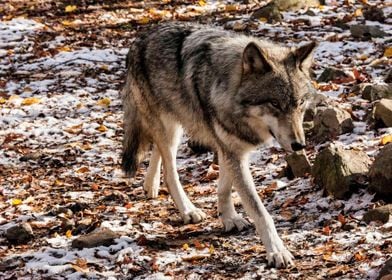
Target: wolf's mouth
(270, 131)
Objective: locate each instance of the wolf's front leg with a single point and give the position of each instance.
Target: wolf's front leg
(227, 213)
(277, 254)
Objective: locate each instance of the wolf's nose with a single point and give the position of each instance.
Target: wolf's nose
(297, 146)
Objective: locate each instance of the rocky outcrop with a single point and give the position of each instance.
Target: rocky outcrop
(338, 171)
(380, 174)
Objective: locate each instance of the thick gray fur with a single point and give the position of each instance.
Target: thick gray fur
(227, 91)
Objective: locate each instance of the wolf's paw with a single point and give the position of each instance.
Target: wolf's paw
(194, 216)
(151, 188)
(235, 221)
(151, 192)
(280, 259)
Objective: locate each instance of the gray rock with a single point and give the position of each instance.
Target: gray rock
(19, 234)
(299, 163)
(101, 237)
(330, 122)
(318, 100)
(331, 73)
(383, 111)
(366, 31)
(386, 271)
(270, 12)
(373, 92)
(338, 170)
(373, 13)
(378, 214)
(380, 174)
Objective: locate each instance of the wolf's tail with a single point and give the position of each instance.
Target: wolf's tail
(134, 141)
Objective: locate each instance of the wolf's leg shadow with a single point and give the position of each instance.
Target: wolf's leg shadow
(153, 176)
(277, 254)
(227, 213)
(167, 145)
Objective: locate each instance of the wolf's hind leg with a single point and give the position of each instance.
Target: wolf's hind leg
(153, 176)
(168, 150)
(227, 213)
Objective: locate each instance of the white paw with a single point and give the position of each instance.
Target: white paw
(234, 221)
(194, 216)
(151, 189)
(280, 258)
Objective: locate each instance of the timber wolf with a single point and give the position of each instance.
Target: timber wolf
(229, 92)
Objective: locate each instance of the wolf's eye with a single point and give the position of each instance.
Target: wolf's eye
(275, 103)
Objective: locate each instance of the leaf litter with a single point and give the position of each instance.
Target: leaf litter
(61, 70)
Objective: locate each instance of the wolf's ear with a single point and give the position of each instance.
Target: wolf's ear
(253, 60)
(304, 55)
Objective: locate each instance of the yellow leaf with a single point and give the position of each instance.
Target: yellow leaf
(2, 100)
(64, 49)
(104, 102)
(104, 67)
(83, 169)
(231, 8)
(143, 20)
(321, 7)
(16, 202)
(358, 12)
(31, 100)
(70, 8)
(58, 182)
(202, 3)
(263, 19)
(211, 249)
(185, 246)
(67, 23)
(102, 128)
(68, 234)
(388, 52)
(386, 139)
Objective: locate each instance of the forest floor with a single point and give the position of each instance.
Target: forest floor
(62, 67)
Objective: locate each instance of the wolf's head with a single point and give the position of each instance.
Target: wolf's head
(275, 88)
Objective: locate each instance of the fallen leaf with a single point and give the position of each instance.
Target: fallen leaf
(94, 187)
(386, 139)
(211, 249)
(388, 52)
(83, 169)
(358, 12)
(326, 230)
(198, 245)
(143, 20)
(2, 100)
(68, 234)
(359, 256)
(342, 219)
(30, 101)
(76, 129)
(16, 202)
(102, 128)
(64, 49)
(185, 246)
(231, 8)
(70, 8)
(103, 102)
(202, 3)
